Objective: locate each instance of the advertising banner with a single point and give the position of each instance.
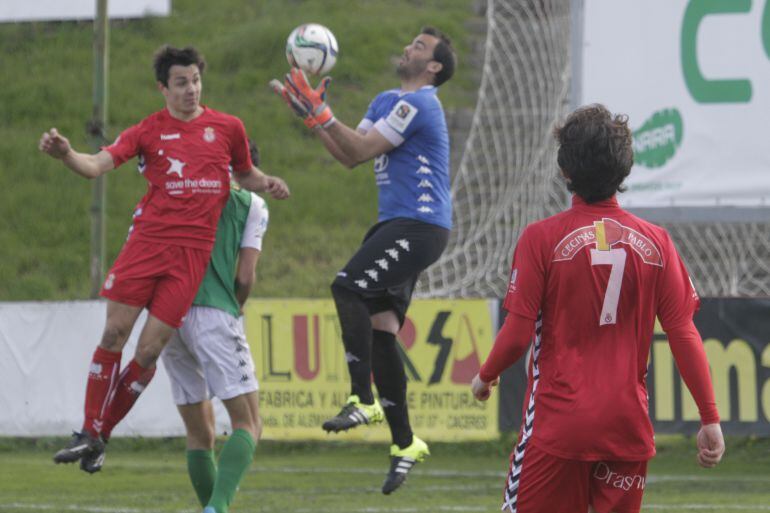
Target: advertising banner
(694, 78)
(303, 374)
(45, 350)
(50, 10)
(736, 337)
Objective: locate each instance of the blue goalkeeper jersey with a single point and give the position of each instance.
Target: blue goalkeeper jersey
(413, 178)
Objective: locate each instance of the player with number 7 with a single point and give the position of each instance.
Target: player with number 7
(586, 286)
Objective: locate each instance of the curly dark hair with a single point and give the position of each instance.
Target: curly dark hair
(595, 152)
(167, 56)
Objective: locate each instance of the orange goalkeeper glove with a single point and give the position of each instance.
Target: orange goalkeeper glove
(292, 101)
(314, 100)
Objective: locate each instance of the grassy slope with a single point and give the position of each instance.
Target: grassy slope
(334, 477)
(47, 77)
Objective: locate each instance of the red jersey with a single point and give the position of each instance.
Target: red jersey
(186, 165)
(596, 276)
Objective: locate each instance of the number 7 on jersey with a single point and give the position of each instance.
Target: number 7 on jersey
(617, 259)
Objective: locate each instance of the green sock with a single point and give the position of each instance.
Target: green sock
(234, 459)
(203, 472)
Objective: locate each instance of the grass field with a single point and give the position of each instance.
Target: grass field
(149, 476)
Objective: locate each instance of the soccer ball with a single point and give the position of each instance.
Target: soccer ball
(312, 48)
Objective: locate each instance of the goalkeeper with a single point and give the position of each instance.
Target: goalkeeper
(405, 132)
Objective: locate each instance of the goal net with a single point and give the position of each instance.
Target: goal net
(729, 259)
(507, 176)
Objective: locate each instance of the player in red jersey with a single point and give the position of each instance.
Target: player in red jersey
(185, 152)
(588, 283)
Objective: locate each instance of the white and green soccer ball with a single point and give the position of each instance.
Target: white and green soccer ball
(312, 48)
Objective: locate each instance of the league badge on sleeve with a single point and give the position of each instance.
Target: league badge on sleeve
(512, 282)
(401, 115)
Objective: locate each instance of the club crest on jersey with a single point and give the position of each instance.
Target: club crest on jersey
(603, 235)
(208, 135)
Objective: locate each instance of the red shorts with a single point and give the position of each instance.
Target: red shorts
(541, 483)
(163, 278)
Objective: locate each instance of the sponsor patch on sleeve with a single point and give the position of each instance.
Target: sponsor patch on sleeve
(512, 282)
(401, 115)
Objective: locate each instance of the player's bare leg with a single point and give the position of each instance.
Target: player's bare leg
(199, 424)
(390, 378)
(120, 321)
(385, 321)
(154, 337)
(133, 379)
(238, 452)
(244, 413)
(102, 377)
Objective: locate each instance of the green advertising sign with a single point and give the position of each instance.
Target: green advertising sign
(658, 139)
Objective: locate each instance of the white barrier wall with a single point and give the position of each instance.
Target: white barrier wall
(54, 10)
(45, 351)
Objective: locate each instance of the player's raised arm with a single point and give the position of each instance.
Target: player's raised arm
(359, 147)
(84, 164)
(350, 147)
(334, 150)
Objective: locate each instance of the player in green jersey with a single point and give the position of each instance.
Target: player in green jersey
(209, 355)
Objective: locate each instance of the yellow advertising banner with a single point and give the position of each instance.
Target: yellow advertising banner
(303, 376)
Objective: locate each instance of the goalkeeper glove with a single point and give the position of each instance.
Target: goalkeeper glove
(292, 101)
(314, 100)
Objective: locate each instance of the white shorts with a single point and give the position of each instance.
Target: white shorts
(209, 356)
